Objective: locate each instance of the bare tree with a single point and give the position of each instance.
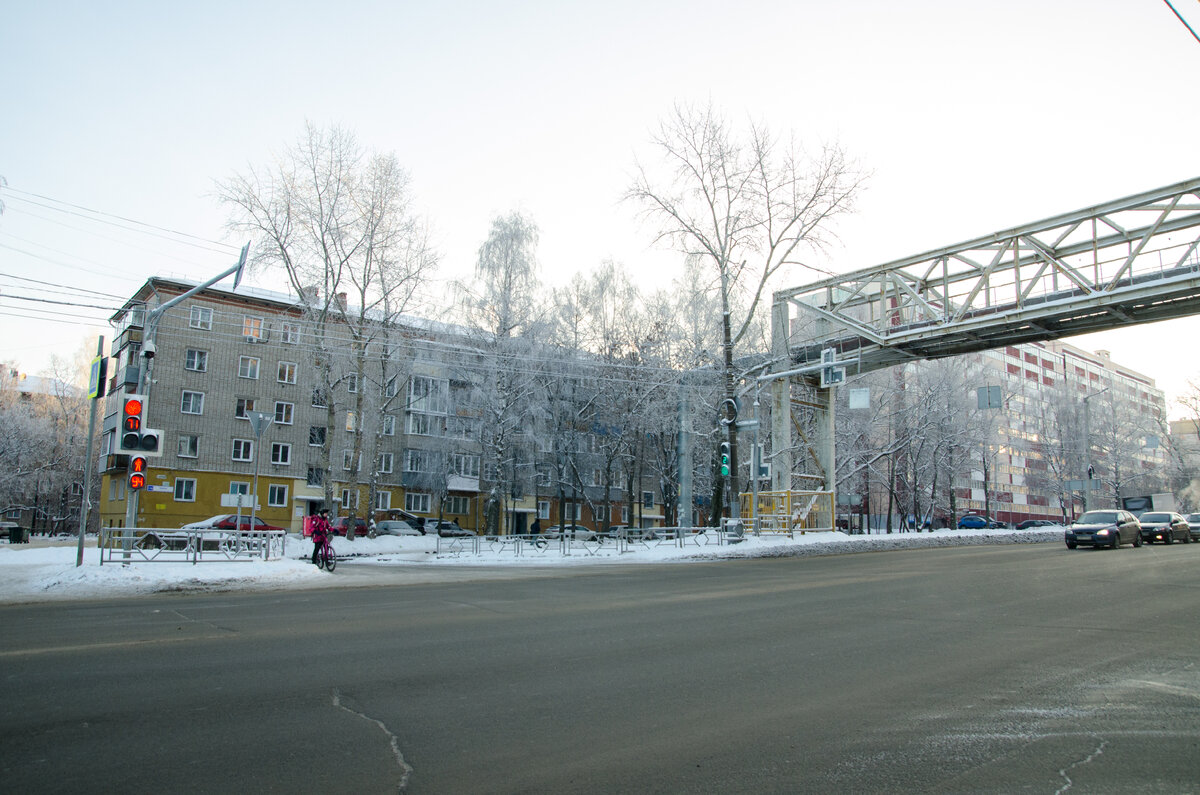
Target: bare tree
(338, 222)
(747, 207)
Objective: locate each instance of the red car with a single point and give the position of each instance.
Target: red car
(341, 523)
(229, 521)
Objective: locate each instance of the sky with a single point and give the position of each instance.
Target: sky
(117, 119)
(46, 570)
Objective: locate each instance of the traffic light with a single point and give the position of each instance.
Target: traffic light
(137, 472)
(135, 437)
(724, 459)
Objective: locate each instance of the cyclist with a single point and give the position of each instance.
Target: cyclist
(320, 532)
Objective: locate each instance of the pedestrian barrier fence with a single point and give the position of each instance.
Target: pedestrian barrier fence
(145, 545)
(585, 543)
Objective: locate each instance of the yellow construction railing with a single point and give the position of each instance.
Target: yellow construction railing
(791, 511)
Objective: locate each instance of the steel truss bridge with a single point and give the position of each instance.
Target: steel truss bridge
(1128, 261)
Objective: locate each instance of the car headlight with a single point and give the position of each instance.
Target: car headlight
(1104, 532)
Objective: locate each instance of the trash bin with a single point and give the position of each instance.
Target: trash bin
(18, 535)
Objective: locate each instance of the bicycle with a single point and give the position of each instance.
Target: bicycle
(325, 557)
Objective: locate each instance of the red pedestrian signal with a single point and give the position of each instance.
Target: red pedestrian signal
(137, 472)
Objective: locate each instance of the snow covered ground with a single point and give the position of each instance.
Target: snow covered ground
(46, 570)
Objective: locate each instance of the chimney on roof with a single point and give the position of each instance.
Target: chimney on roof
(1104, 355)
(341, 301)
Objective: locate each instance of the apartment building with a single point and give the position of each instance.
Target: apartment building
(380, 425)
(1064, 410)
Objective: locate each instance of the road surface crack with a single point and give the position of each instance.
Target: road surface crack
(1069, 783)
(405, 769)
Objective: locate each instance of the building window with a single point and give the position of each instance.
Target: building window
(243, 450)
(389, 389)
(570, 512)
(277, 496)
(383, 500)
(420, 425)
(624, 514)
(466, 465)
(283, 413)
(389, 425)
(459, 506)
(597, 477)
(253, 328)
(243, 408)
(185, 489)
(543, 509)
(348, 460)
(349, 498)
(287, 372)
(316, 436)
(318, 398)
(281, 454)
(385, 463)
(428, 395)
(289, 333)
(351, 422)
(315, 477)
(239, 487)
(193, 402)
(415, 502)
(189, 446)
(352, 383)
(196, 361)
(415, 461)
(647, 499)
(248, 367)
(200, 317)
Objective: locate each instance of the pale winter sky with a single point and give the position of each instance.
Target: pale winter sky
(971, 117)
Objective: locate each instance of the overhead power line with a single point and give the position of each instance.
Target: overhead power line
(1181, 19)
(86, 212)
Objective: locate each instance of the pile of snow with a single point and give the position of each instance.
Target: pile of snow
(46, 570)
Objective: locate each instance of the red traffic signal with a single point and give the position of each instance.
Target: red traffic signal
(131, 422)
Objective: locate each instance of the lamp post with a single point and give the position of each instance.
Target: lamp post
(259, 421)
(1087, 447)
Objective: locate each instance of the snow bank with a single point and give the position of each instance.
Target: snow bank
(45, 571)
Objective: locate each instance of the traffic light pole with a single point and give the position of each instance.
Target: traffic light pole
(96, 393)
(148, 351)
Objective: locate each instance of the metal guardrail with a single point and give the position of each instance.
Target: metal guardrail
(599, 544)
(175, 545)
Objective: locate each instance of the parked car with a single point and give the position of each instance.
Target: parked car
(1164, 526)
(398, 527)
(342, 524)
(1193, 520)
(446, 528)
(1104, 529)
(1029, 524)
(229, 521)
(574, 531)
(975, 521)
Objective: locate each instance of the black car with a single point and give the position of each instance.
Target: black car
(1104, 529)
(1165, 527)
(1029, 524)
(1193, 520)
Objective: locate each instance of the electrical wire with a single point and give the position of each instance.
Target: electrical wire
(1181, 19)
(158, 231)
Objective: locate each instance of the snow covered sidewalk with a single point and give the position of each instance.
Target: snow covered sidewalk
(45, 570)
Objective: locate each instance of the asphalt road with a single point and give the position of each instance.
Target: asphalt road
(977, 669)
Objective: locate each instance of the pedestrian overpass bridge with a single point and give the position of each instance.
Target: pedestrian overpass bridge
(1129, 261)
